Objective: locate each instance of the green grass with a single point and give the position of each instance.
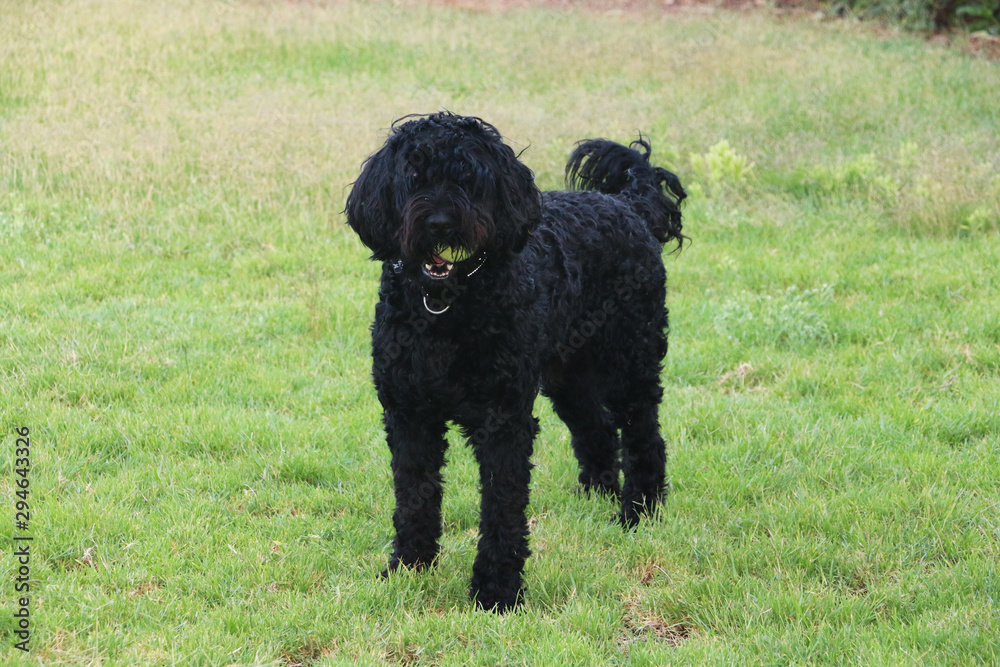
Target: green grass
(184, 330)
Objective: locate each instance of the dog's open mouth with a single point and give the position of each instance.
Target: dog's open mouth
(438, 268)
(443, 261)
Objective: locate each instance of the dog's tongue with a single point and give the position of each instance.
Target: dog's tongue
(438, 260)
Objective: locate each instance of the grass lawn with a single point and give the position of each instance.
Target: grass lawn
(184, 331)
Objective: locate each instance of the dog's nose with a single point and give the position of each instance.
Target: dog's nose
(439, 224)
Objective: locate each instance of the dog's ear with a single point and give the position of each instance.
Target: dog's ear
(370, 208)
(519, 199)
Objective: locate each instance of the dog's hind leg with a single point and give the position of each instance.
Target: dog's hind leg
(417, 458)
(643, 450)
(593, 434)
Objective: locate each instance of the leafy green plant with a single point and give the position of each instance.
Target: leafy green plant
(980, 15)
(795, 318)
(719, 169)
(928, 14)
(861, 176)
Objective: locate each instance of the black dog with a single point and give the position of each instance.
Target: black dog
(491, 289)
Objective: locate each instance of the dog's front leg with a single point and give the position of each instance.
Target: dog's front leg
(417, 449)
(503, 444)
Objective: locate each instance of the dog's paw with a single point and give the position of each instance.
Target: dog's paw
(602, 488)
(633, 511)
(396, 563)
(496, 596)
(602, 485)
(628, 519)
(498, 604)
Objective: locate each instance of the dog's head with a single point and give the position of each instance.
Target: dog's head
(443, 190)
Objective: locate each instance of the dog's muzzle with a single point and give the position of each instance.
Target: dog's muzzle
(439, 269)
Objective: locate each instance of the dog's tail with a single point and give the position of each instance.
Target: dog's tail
(609, 167)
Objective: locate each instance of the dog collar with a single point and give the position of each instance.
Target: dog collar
(430, 310)
(442, 311)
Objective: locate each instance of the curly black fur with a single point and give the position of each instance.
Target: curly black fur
(561, 292)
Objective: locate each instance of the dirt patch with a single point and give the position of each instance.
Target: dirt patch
(741, 379)
(306, 655)
(984, 44)
(644, 626)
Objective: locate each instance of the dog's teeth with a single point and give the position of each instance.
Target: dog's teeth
(436, 270)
